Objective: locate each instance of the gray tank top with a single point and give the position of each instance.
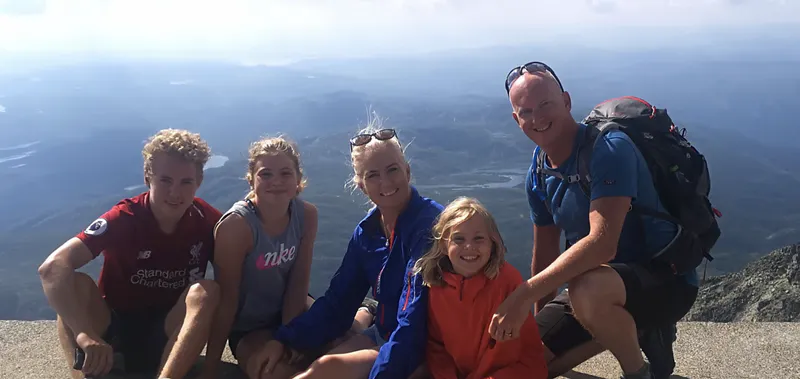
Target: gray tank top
(265, 270)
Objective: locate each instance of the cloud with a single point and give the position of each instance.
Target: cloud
(292, 28)
(602, 6)
(22, 7)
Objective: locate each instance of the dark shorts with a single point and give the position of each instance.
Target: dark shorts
(139, 336)
(374, 335)
(654, 297)
(235, 336)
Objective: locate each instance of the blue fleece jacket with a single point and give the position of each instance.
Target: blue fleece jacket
(370, 262)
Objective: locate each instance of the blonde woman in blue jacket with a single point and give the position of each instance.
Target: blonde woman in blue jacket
(380, 258)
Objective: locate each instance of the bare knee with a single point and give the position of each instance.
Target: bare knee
(594, 291)
(203, 294)
(322, 365)
(327, 361)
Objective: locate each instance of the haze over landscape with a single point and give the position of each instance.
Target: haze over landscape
(82, 85)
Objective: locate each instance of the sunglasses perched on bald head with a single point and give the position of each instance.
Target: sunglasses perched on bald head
(364, 138)
(530, 67)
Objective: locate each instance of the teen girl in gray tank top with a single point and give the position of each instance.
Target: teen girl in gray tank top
(265, 269)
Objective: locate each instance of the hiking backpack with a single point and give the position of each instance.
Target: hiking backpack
(679, 171)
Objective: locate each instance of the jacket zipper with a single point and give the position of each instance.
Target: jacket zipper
(389, 245)
(461, 291)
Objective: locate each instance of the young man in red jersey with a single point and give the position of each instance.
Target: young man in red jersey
(151, 302)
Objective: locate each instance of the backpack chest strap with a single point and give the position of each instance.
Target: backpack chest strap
(575, 178)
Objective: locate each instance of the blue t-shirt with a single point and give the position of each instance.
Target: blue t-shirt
(617, 169)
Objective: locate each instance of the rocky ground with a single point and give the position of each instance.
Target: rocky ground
(767, 289)
(721, 338)
(29, 349)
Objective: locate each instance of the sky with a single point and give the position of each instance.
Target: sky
(293, 29)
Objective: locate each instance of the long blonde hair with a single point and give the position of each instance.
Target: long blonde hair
(273, 146)
(435, 261)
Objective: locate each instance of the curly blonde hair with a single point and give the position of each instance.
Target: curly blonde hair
(273, 146)
(178, 143)
(435, 261)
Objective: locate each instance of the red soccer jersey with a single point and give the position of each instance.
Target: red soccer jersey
(144, 267)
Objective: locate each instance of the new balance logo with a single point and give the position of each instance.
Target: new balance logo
(144, 254)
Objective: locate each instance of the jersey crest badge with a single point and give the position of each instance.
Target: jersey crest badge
(97, 228)
(194, 253)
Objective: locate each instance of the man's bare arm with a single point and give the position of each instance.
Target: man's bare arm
(606, 217)
(58, 281)
(545, 251)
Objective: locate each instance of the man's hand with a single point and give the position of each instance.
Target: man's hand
(511, 314)
(99, 356)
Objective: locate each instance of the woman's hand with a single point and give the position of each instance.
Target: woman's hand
(273, 352)
(293, 356)
(264, 359)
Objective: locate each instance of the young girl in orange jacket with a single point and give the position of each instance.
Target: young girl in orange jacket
(468, 279)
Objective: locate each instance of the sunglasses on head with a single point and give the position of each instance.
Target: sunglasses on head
(380, 135)
(531, 67)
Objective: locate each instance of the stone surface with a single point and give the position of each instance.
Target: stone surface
(29, 349)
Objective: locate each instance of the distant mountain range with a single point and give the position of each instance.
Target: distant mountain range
(84, 126)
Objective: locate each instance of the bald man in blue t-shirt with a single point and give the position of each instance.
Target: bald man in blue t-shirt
(615, 292)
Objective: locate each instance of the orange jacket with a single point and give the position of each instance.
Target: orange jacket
(458, 339)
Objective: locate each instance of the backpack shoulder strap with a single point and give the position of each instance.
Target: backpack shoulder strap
(584, 157)
(539, 176)
(539, 157)
(541, 170)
